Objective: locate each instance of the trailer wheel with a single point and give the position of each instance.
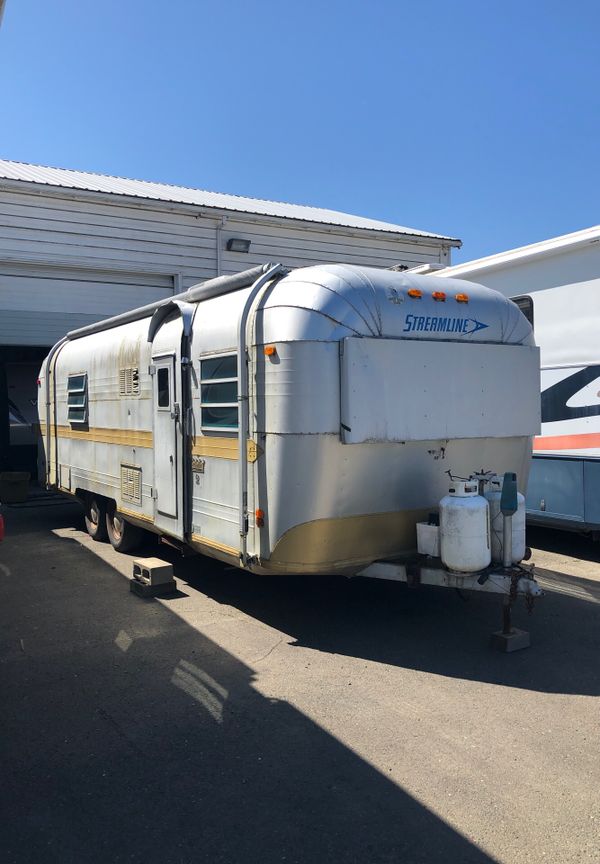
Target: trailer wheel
(123, 536)
(95, 518)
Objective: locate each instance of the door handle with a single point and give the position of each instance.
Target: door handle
(175, 411)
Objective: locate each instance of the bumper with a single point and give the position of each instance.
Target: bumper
(492, 581)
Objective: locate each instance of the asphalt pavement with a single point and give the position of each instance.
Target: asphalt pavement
(253, 719)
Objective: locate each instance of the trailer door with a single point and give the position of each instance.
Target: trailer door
(166, 409)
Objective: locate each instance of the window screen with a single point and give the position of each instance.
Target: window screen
(219, 392)
(525, 304)
(77, 398)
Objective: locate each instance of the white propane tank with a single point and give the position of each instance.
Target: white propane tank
(464, 528)
(493, 495)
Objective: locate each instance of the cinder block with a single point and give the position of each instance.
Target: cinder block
(143, 590)
(513, 641)
(152, 571)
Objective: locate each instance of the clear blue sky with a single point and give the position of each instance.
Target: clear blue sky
(480, 120)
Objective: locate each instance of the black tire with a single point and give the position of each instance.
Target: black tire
(95, 518)
(123, 536)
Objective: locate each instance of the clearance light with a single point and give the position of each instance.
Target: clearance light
(414, 292)
(462, 298)
(260, 518)
(270, 350)
(439, 295)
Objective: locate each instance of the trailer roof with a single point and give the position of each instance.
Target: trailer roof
(67, 178)
(553, 246)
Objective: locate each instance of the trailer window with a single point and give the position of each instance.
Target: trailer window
(77, 398)
(219, 392)
(164, 399)
(525, 304)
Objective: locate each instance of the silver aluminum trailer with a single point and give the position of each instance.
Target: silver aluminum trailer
(291, 422)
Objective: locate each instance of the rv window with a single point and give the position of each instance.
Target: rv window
(163, 387)
(219, 392)
(224, 366)
(77, 398)
(525, 304)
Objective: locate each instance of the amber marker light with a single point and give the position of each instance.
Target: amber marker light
(439, 295)
(462, 298)
(260, 518)
(270, 350)
(414, 292)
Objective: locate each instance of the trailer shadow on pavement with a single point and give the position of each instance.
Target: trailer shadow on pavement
(429, 629)
(564, 542)
(128, 735)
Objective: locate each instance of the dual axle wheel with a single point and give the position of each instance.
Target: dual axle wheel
(104, 523)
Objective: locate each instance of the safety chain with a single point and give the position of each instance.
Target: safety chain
(512, 594)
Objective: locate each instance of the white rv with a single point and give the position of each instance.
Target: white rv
(290, 422)
(565, 479)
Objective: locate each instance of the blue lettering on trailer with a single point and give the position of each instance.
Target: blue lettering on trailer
(437, 324)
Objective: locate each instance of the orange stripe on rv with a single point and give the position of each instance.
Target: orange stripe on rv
(567, 442)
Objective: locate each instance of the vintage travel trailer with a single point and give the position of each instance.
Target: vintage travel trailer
(300, 422)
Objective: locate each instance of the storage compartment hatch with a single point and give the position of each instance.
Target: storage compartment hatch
(408, 390)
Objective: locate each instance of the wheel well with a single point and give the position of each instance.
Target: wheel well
(85, 496)
(82, 496)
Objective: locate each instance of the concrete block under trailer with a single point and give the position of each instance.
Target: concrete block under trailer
(292, 422)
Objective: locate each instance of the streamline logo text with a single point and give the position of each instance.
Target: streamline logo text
(437, 324)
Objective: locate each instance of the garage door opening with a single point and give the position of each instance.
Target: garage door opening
(39, 304)
(19, 368)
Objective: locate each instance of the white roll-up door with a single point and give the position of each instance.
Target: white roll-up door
(40, 303)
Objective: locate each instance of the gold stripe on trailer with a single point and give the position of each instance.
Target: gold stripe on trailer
(223, 448)
(204, 445)
(141, 516)
(214, 544)
(129, 437)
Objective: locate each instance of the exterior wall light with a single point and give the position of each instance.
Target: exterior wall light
(237, 244)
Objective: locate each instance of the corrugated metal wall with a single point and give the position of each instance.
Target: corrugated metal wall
(298, 246)
(66, 261)
(70, 258)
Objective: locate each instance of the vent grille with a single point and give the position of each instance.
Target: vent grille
(129, 381)
(131, 484)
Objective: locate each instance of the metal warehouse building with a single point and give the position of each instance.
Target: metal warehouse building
(76, 247)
